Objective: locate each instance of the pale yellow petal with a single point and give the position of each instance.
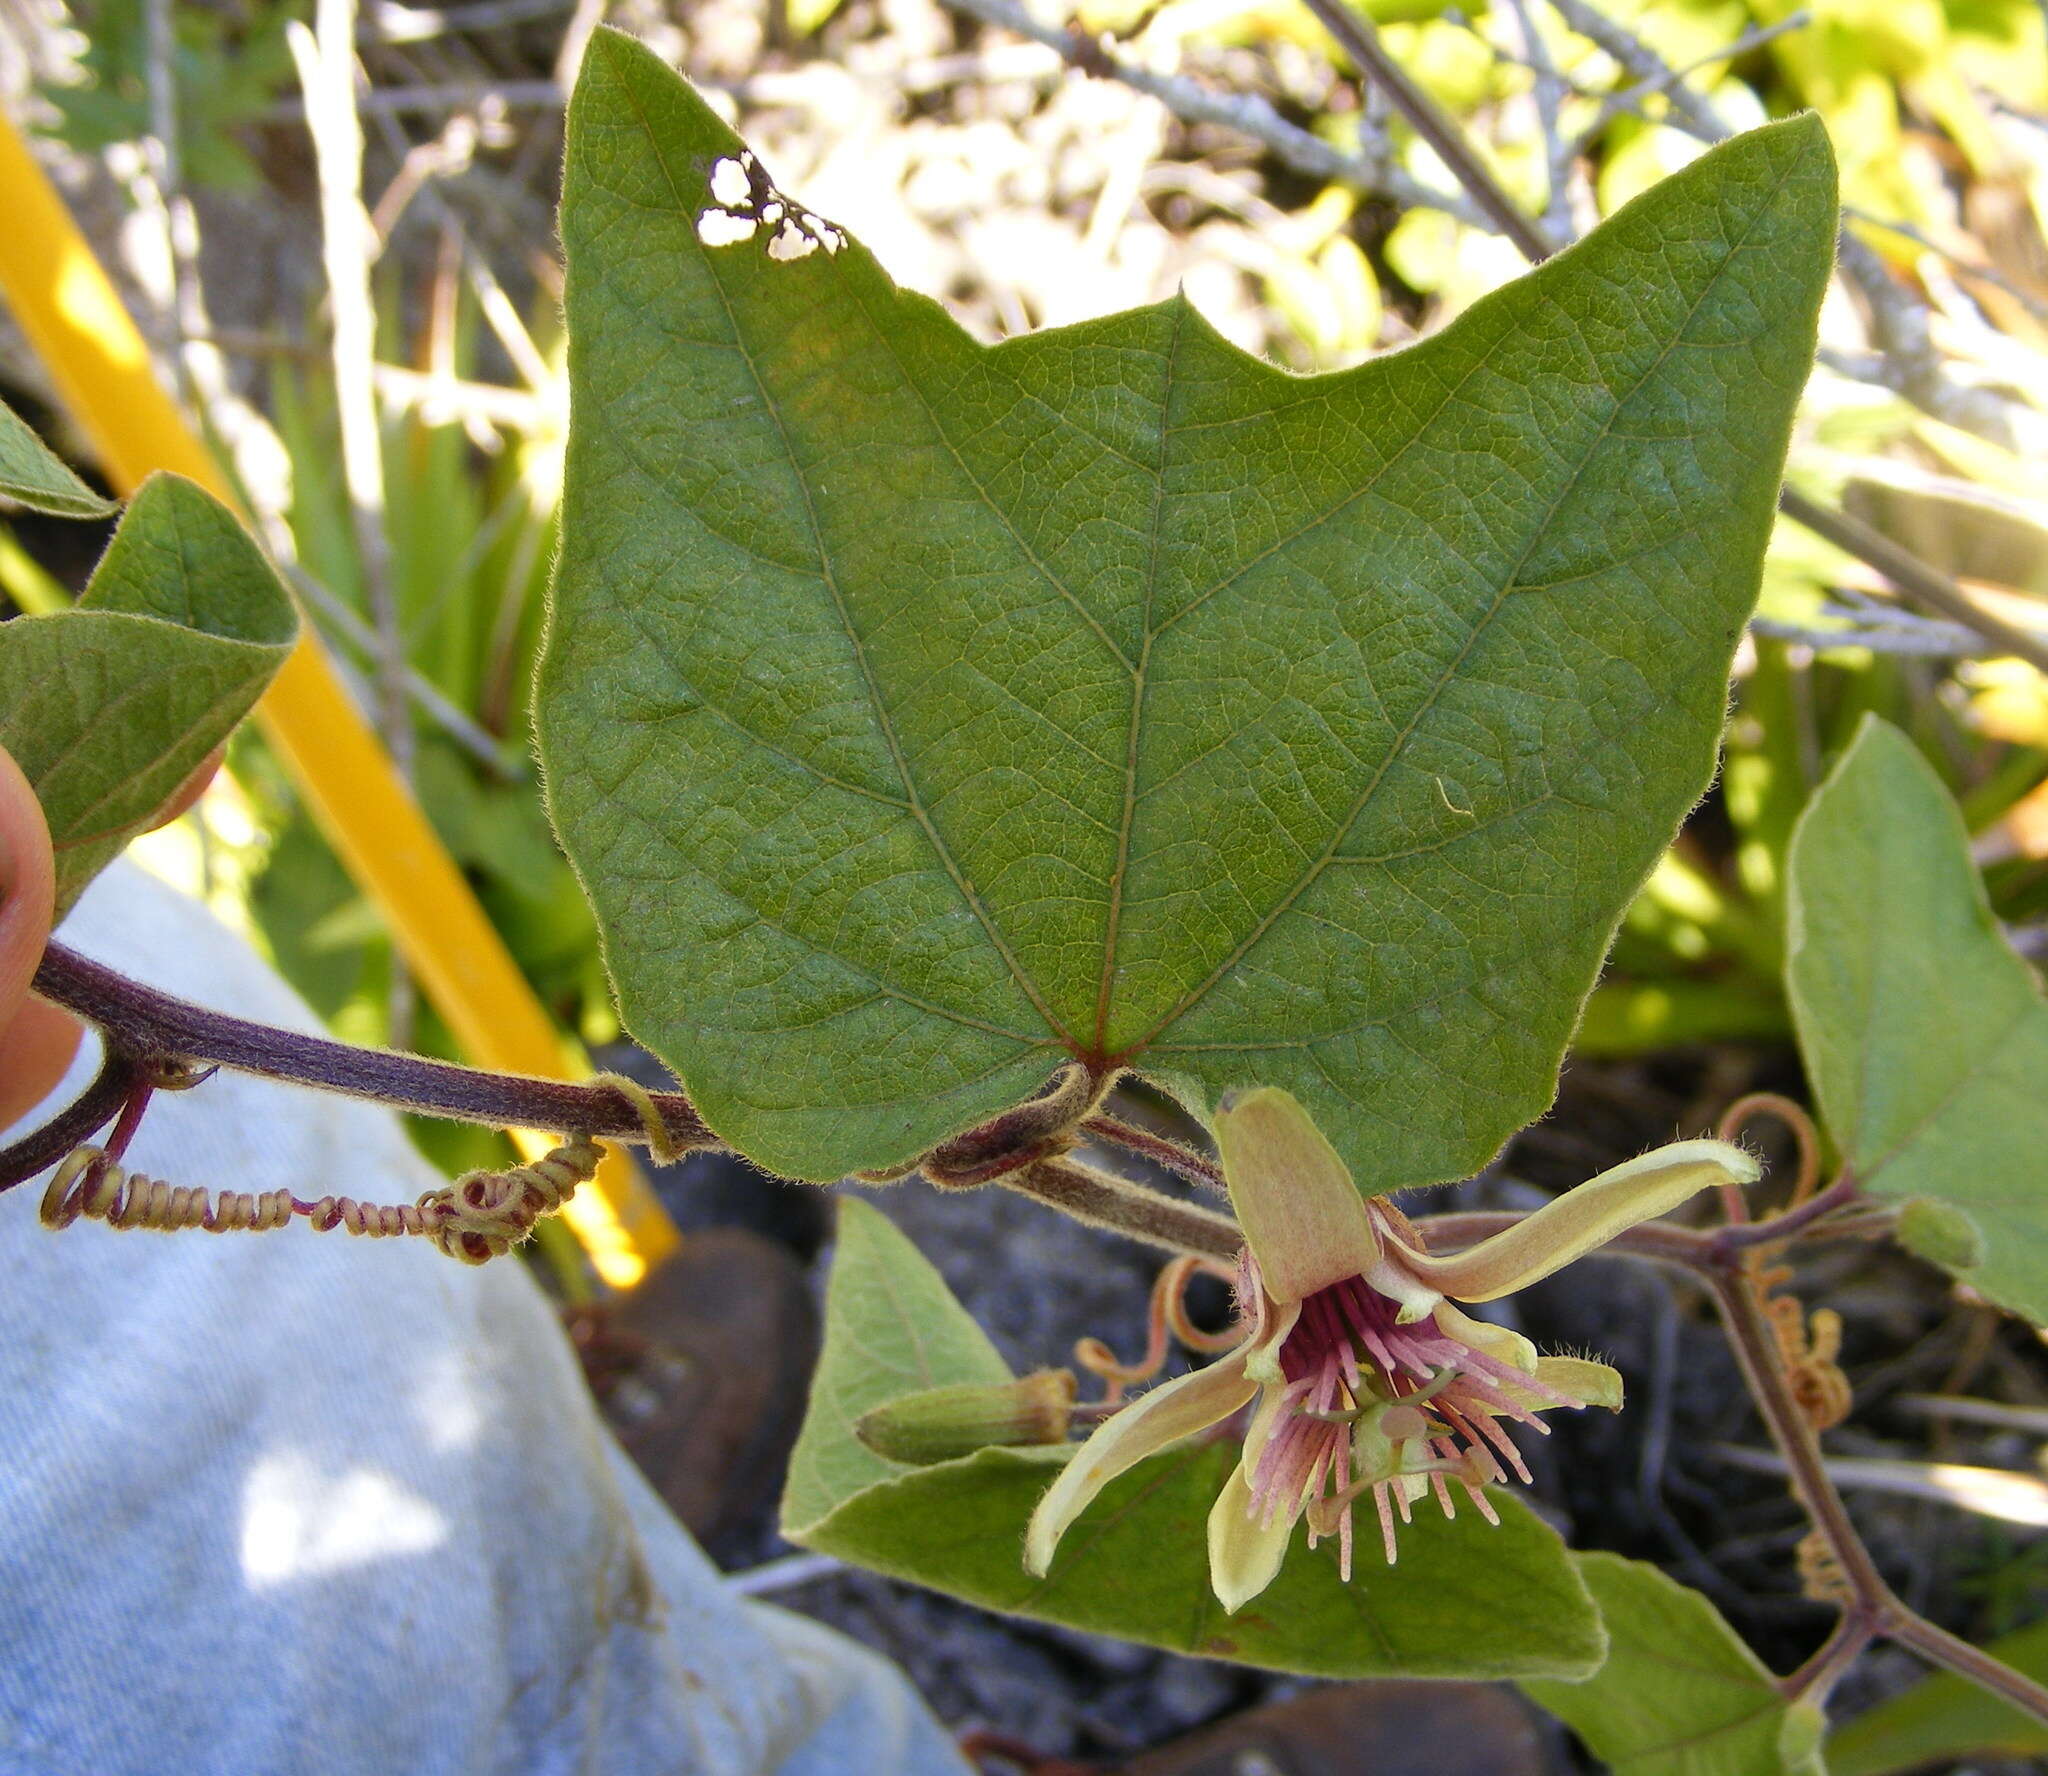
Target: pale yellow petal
(1393, 1279)
(1583, 1219)
(1589, 1383)
(1501, 1343)
(1244, 1552)
(1155, 1419)
(1594, 1383)
(1302, 1216)
(1262, 1355)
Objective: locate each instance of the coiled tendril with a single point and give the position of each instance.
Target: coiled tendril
(480, 1216)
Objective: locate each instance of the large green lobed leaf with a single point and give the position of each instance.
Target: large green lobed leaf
(110, 706)
(1465, 1600)
(1680, 1694)
(919, 713)
(1925, 1036)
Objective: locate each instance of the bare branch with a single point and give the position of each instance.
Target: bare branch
(1919, 582)
(1913, 577)
(1246, 113)
(1560, 152)
(1360, 41)
(1883, 629)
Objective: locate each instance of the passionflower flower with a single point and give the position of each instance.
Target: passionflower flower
(1367, 1378)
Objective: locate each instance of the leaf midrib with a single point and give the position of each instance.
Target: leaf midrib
(1140, 684)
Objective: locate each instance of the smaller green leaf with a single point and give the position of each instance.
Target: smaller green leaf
(892, 1328)
(1680, 1694)
(32, 476)
(1941, 1234)
(1943, 1716)
(1466, 1600)
(109, 707)
(1925, 1036)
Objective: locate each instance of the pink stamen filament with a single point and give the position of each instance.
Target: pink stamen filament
(1348, 1354)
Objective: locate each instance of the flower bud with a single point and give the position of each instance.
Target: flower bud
(939, 1424)
(1940, 1233)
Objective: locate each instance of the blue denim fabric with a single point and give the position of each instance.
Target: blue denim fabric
(292, 1503)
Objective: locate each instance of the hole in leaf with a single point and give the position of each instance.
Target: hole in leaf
(720, 228)
(744, 200)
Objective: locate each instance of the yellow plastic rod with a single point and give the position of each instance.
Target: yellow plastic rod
(86, 340)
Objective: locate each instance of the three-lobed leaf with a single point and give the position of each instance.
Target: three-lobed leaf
(1924, 1034)
(919, 713)
(1680, 1694)
(1466, 1599)
(109, 707)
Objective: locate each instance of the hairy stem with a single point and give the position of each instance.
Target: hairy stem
(78, 1121)
(1792, 1221)
(1815, 1680)
(1087, 1195)
(1871, 1609)
(1756, 1350)
(140, 1021)
(1197, 1168)
(1939, 1647)
(141, 1024)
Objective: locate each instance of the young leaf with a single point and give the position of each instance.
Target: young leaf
(1680, 1694)
(892, 1328)
(32, 476)
(1925, 1036)
(918, 714)
(1466, 1599)
(1943, 1716)
(110, 706)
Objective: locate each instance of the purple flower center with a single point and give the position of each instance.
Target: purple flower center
(1350, 1367)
